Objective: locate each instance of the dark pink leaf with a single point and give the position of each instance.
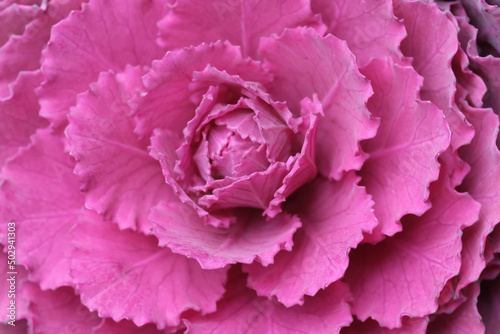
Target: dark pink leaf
(305, 63)
(403, 154)
(334, 214)
(464, 320)
(483, 183)
(137, 280)
(432, 47)
(120, 179)
(19, 115)
(41, 194)
(96, 39)
(170, 101)
(404, 274)
(59, 311)
(370, 326)
(369, 27)
(250, 238)
(192, 22)
(242, 311)
(22, 52)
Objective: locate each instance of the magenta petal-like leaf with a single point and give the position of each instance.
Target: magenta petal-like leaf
(403, 154)
(120, 179)
(168, 103)
(19, 115)
(242, 311)
(96, 39)
(250, 238)
(137, 280)
(241, 22)
(369, 27)
(483, 183)
(404, 274)
(305, 63)
(22, 52)
(334, 215)
(41, 195)
(464, 320)
(408, 326)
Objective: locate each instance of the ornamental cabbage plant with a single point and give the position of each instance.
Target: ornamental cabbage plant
(245, 166)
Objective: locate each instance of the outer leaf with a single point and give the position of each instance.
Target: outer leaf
(335, 215)
(483, 183)
(192, 22)
(88, 42)
(14, 19)
(432, 47)
(40, 193)
(121, 181)
(403, 154)
(369, 27)
(250, 238)
(241, 311)
(59, 311)
(22, 52)
(464, 320)
(305, 63)
(137, 280)
(403, 275)
(169, 102)
(19, 115)
(409, 325)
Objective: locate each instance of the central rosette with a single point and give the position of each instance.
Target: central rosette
(241, 148)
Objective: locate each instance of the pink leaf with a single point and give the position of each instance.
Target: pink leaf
(432, 47)
(464, 320)
(19, 115)
(241, 311)
(250, 238)
(121, 181)
(483, 183)
(403, 275)
(169, 102)
(22, 52)
(334, 214)
(59, 311)
(369, 27)
(409, 325)
(99, 38)
(403, 154)
(40, 194)
(137, 280)
(305, 63)
(192, 22)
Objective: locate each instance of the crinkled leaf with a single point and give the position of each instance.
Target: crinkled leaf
(250, 238)
(105, 35)
(409, 325)
(403, 154)
(192, 22)
(483, 183)
(19, 115)
(22, 52)
(120, 180)
(464, 320)
(369, 27)
(168, 103)
(41, 194)
(242, 311)
(404, 274)
(334, 214)
(137, 280)
(305, 63)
